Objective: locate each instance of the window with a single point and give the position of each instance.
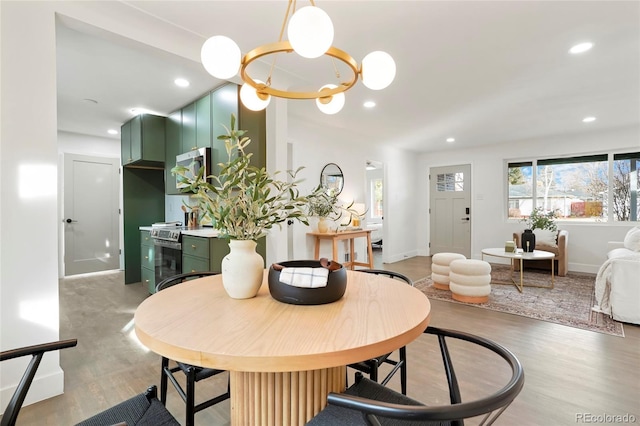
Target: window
(576, 188)
(447, 182)
(376, 198)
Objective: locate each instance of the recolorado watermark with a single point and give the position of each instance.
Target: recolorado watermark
(605, 418)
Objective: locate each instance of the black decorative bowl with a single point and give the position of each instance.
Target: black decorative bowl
(334, 290)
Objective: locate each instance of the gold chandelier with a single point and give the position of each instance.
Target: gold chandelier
(310, 33)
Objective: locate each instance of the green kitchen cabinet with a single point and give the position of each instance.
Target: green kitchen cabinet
(255, 123)
(173, 131)
(143, 202)
(147, 262)
(203, 254)
(224, 101)
(143, 141)
(189, 128)
(203, 121)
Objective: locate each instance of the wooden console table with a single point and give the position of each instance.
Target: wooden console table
(345, 235)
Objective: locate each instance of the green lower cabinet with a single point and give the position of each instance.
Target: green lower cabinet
(148, 277)
(203, 254)
(147, 261)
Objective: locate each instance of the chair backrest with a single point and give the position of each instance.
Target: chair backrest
(37, 352)
(180, 278)
(490, 407)
(389, 274)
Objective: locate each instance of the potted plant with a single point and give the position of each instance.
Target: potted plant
(324, 204)
(243, 203)
(538, 219)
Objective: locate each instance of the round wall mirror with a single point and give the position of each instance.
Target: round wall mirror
(331, 178)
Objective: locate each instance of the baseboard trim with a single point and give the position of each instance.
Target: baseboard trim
(43, 387)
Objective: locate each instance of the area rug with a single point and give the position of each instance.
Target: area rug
(568, 303)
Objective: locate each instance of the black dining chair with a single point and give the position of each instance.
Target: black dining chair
(369, 403)
(372, 366)
(192, 373)
(140, 410)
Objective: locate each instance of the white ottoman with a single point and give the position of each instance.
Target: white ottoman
(470, 280)
(440, 268)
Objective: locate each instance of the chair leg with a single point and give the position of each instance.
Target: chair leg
(163, 380)
(373, 374)
(403, 370)
(191, 398)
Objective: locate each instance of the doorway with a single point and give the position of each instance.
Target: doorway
(374, 171)
(90, 215)
(450, 209)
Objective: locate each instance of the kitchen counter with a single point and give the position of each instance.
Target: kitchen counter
(206, 232)
(202, 232)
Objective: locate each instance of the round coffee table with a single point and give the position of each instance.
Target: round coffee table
(535, 255)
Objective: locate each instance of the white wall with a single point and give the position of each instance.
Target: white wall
(489, 225)
(315, 145)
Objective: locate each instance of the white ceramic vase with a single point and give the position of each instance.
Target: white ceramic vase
(242, 270)
(323, 225)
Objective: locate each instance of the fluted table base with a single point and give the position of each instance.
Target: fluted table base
(285, 399)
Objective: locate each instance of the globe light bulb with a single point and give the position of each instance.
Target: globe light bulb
(310, 32)
(221, 57)
(378, 70)
(334, 105)
(250, 98)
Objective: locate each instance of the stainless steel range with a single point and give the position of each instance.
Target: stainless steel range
(167, 239)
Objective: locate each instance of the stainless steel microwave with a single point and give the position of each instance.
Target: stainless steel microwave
(194, 161)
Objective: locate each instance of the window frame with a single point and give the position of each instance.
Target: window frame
(610, 157)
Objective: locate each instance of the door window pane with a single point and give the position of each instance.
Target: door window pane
(447, 182)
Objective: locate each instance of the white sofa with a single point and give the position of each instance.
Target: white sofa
(618, 283)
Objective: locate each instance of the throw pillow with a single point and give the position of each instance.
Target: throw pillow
(546, 237)
(632, 239)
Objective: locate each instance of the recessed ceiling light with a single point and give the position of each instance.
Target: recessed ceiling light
(580, 48)
(451, 140)
(588, 119)
(181, 82)
(369, 104)
(112, 132)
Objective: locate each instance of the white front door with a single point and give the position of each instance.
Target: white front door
(91, 199)
(449, 207)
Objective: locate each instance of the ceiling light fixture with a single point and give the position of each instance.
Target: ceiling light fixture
(112, 132)
(451, 140)
(310, 33)
(181, 82)
(588, 119)
(581, 48)
(369, 104)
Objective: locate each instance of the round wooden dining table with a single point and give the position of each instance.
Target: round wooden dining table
(283, 359)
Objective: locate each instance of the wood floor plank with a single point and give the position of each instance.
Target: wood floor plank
(568, 371)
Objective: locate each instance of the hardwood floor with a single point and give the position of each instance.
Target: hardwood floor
(569, 372)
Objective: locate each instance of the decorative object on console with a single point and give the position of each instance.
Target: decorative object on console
(306, 284)
(324, 204)
(244, 202)
(310, 33)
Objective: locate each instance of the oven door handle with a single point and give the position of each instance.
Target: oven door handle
(167, 244)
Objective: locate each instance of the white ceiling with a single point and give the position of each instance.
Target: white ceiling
(483, 72)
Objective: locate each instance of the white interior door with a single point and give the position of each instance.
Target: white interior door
(91, 199)
(450, 209)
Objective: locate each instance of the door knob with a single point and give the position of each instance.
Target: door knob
(70, 220)
(290, 222)
(465, 218)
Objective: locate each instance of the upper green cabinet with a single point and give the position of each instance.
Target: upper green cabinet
(225, 103)
(143, 141)
(198, 125)
(173, 126)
